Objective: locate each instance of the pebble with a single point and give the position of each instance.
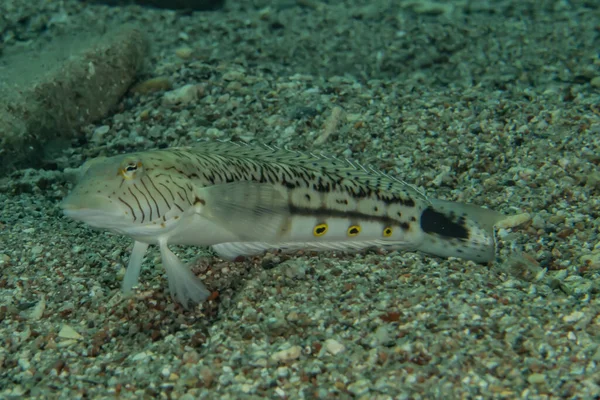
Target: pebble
(152, 85)
(233, 76)
(330, 126)
(334, 347)
(573, 317)
(291, 353)
(360, 387)
(293, 268)
(36, 250)
(184, 53)
(183, 95)
(592, 260)
(283, 372)
(381, 337)
(514, 221)
(140, 356)
(538, 222)
(69, 333)
(536, 378)
(38, 310)
(99, 132)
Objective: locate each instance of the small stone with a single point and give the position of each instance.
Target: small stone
(246, 388)
(233, 76)
(38, 310)
(514, 220)
(573, 317)
(145, 115)
(381, 337)
(69, 333)
(183, 95)
(37, 250)
(259, 362)
(293, 269)
(288, 354)
(152, 85)
(99, 132)
(184, 53)
(592, 260)
(140, 356)
(536, 379)
(334, 347)
(360, 387)
(4, 259)
(595, 82)
(24, 364)
(66, 343)
(283, 372)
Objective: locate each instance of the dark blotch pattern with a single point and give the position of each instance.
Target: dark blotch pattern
(433, 221)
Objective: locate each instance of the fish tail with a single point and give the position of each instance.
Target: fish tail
(459, 230)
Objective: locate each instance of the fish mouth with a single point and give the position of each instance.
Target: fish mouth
(96, 211)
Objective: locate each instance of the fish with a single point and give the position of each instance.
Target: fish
(244, 200)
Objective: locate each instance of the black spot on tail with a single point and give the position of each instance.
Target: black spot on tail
(433, 221)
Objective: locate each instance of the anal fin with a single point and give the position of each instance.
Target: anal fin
(232, 250)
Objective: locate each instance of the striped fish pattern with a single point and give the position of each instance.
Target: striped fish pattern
(244, 200)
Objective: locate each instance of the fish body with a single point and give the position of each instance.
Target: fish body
(244, 200)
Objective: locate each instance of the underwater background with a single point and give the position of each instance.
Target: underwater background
(495, 103)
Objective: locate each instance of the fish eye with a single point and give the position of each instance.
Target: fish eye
(130, 168)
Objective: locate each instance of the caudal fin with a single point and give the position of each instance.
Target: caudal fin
(459, 230)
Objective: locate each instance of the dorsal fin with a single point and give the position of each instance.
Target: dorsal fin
(311, 161)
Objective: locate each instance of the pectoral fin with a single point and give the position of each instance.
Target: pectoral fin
(132, 274)
(251, 210)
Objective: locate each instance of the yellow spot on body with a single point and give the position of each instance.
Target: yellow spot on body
(354, 230)
(387, 231)
(320, 230)
(162, 224)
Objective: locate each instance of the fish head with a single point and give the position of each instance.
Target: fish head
(132, 194)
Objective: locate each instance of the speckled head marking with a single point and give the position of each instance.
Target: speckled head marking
(129, 191)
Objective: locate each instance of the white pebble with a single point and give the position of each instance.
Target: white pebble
(536, 378)
(514, 221)
(184, 95)
(69, 333)
(334, 347)
(140, 356)
(24, 364)
(288, 354)
(4, 259)
(38, 310)
(99, 133)
(360, 387)
(573, 317)
(37, 250)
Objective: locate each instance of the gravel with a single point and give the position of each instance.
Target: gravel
(494, 103)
